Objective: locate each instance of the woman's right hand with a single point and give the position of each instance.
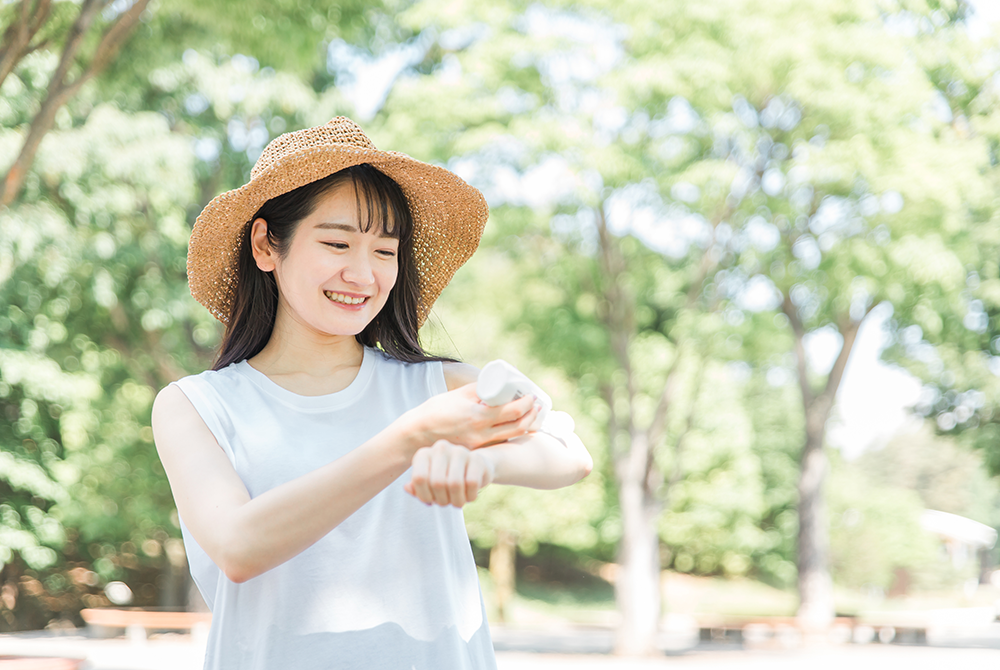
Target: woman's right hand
(449, 474)
(459, 417)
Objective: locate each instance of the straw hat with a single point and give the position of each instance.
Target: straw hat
(448, 214)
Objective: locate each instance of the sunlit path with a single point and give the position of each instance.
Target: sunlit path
(181, 652)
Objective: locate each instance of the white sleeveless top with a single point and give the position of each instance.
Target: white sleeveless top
(393, 586)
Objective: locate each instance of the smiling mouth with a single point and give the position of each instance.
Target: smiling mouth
(344, 299)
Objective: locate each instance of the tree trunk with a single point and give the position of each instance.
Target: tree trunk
(502, 568)
(816, 607)
(16, 42)
(9, 595)
(40, 126)
(173, 591)
(637, 584)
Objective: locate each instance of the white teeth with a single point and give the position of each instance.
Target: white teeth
(345, 299)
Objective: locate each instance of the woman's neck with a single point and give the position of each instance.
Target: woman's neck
(309, 363)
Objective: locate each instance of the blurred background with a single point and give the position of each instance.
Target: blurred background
(751, 245)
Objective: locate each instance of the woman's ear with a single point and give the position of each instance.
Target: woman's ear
(263, 254)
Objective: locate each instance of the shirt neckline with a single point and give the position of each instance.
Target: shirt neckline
(327, 401)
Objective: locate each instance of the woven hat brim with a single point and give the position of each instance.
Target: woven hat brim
(448, 215)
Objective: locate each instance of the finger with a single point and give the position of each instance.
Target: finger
(528, 420)
(456, 478)
(438, 477)
(521, 426)
(420, 476)
(536, 422)
(515, 409)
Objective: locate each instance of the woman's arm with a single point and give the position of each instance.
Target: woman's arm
(247, 536)
(539, 461)
(453, 476)
(536, 460)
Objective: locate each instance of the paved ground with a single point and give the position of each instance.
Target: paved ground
(560, 650)
(846, 657)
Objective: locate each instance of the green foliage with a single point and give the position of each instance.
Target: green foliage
(560, 304)
(95, 317)
(95, 311)
(954, 351)
(946, 476)
(777, 442)
(286, 35)
(713, 522)
(875, 531)
(807, 145)
(876, 503)
(736, 148)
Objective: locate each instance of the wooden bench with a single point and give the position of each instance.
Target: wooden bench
(780, 631)
(107, 622)
(883, 627)
(39, 663)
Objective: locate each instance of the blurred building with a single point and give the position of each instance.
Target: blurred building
(967, 542)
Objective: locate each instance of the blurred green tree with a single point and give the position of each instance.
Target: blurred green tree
(839, 203)
(958, 358)
(96, 315)
(634, 326)
(876, 502)
(684, 196)
(36, 25)
(876, 536)
(946, 476)
(81, 40)
(95, 319)
(942, 472)
(785, 168)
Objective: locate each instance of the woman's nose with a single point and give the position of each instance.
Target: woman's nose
(359, 270)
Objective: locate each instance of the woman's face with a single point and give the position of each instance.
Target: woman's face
(334, 279)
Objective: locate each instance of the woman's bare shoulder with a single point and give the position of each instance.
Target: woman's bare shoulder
(459, 374)
(170, 400)
(174, 415)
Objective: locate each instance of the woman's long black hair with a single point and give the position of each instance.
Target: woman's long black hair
(380, 202)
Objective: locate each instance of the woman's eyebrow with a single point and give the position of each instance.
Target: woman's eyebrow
(338, 226)
(349, 228)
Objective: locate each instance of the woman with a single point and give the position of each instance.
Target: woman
(310, 540)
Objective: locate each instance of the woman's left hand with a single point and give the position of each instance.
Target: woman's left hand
(449, 474)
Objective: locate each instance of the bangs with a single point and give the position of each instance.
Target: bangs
(380, 203)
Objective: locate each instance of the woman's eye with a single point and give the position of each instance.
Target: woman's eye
(388, 253)
(336, 245)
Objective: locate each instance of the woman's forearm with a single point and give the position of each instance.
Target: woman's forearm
(286, 520)
(539, 461)
(247, 536)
